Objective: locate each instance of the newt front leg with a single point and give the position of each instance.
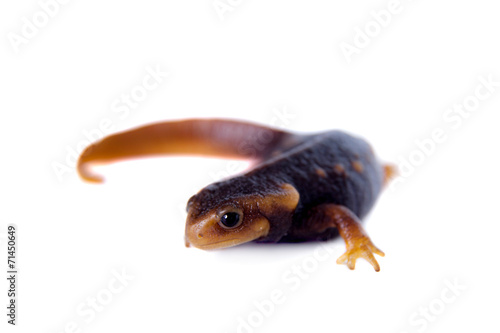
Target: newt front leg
(358, 243)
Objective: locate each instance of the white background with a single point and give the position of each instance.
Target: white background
(438, 225)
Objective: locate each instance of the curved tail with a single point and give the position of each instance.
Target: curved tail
(205, 137)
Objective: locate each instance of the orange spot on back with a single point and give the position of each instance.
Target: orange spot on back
(358, 166)
(339, 169)
(320, 172)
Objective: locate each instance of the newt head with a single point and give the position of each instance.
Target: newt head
(231, 213)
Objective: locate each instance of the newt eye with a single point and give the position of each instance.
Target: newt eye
(230, 220)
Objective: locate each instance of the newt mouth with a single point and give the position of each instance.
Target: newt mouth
(218, 245)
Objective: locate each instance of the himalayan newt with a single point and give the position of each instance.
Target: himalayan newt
(301, 187)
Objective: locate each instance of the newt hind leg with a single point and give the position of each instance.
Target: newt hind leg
(390, 172)
(358, 244)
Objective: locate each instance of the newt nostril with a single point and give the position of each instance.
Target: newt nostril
(200, 235)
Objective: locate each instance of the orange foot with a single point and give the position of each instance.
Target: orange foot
(361, 248)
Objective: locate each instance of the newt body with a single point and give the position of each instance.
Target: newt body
(301, 188)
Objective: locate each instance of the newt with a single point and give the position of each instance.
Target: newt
(301, 187)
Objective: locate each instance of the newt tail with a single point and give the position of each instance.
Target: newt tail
(202, 137)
